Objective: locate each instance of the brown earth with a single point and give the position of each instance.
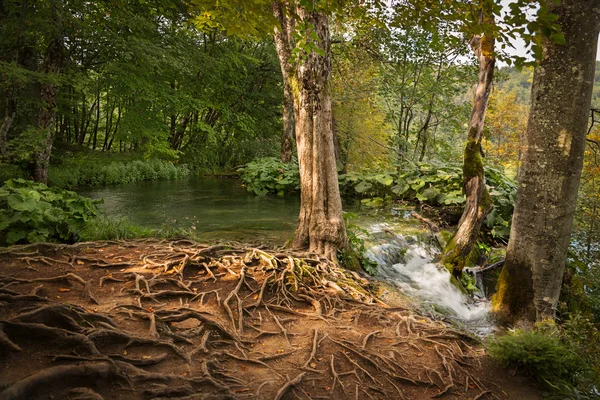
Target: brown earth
(175, 319)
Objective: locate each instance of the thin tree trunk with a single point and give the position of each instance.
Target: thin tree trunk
(284, 42)
(96, 123)
(7, 123)
(321, 225)
(552, 160)
(479, 203)
(47, 115)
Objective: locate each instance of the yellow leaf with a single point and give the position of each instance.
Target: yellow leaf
(64, 289)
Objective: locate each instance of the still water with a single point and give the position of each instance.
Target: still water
(215, 208)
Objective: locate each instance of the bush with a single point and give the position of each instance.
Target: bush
(543, 356)
(10, 171)
(31, 212)
(270, 176)
(113, 229)
(435, 184)
(86, 172)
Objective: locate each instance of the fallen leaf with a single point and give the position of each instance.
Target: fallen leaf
(79, 262)
(124, 352)
(64, 289)
(420, 354)
(58, 297)
(313, 364)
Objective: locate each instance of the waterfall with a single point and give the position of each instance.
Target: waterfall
(406, 262)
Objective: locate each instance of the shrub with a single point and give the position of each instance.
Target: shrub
(269, 175)
(542, 355)
(436, 184)
(113, 229)
(32, 212)
(92, 172)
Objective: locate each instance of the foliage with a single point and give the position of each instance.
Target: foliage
(113, 229)
(354, 256)
(31, 212)
(436, 184)
(269, 175)
(541, 354)
(90, 172)
(121, 228)
(10, 171)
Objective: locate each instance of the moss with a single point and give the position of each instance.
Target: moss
(513, 300)
(472, 162)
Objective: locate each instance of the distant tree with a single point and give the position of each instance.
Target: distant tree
(553, 150)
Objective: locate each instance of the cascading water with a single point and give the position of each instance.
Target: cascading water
(406, 262)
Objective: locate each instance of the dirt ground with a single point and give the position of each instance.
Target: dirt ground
(179, 320)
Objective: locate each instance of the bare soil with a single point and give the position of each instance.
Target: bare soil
(179, 320)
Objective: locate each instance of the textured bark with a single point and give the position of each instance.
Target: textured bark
(7, 123)
(478, 204)
(550, 172)
(321, 225)
(47, 116)
(284, 43)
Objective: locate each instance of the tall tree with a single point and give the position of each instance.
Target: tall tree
(479, 203)
(53, 60)
(321, 225)
(553, 149)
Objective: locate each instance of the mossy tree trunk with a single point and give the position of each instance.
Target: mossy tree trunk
(478, 203)
(284, 43)
(553, 150)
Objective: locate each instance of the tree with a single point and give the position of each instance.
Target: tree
(553, 149)
(306, 64)
(284, 43)
(479, 203)
(321, 225)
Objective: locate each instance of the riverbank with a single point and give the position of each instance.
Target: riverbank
(177, 319)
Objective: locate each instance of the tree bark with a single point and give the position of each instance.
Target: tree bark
(284, 43)
(479, 203)
(552, 161)
(321, 225)
(47, 116)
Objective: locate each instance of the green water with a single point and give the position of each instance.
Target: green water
(216, 208)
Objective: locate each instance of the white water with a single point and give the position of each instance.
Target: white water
(407, 264)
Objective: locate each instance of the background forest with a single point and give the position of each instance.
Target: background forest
(147, 91)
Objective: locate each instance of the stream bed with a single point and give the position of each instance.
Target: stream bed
(222, 209)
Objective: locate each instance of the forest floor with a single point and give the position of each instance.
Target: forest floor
(156, 319)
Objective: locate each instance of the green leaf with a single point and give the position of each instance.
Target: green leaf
(385, 180)
(400, 188)
(558, 38)
(15, 236)
(363, 187)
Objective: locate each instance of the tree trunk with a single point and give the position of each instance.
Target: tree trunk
(7, 123)
(553, 150)
(284, 43)
(479, 203)
(47, 117)
(321, 225)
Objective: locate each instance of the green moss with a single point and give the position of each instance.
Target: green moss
(473, 162)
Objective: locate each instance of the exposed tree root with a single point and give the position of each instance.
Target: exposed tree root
(187, 321)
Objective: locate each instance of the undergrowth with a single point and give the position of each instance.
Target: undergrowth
(91, 172)
(434, 184)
